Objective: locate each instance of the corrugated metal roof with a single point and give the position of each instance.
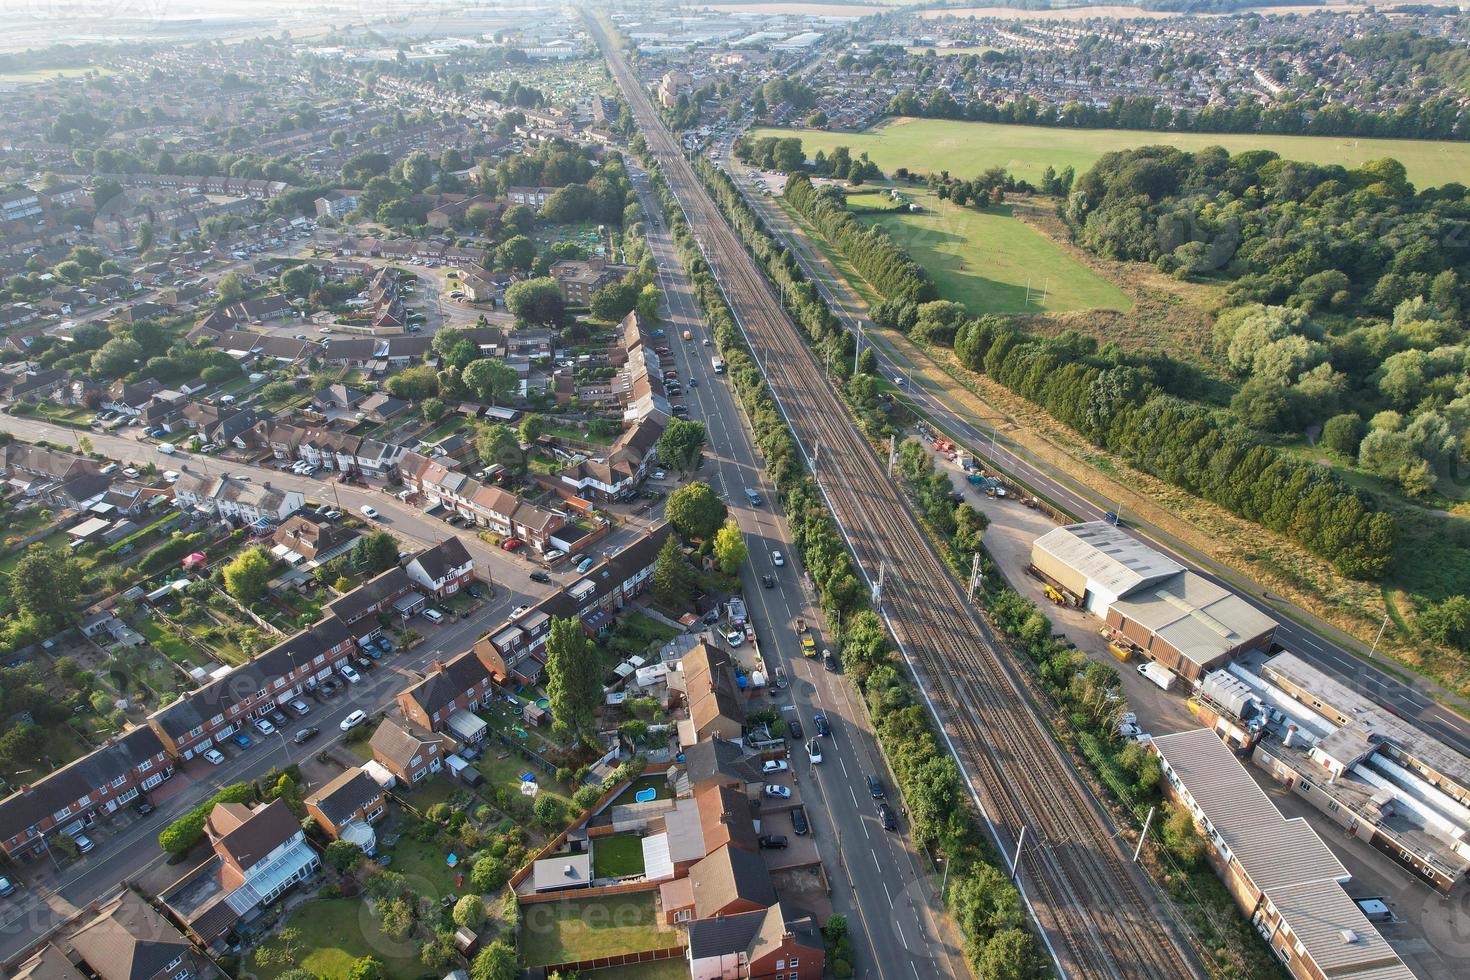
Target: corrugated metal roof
(1106, 555)
(1200, 619)
(1286, 859)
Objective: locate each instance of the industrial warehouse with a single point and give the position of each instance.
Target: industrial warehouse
(1177, 618)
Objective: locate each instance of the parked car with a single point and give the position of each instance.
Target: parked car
(142, 807)
(885, 814)
(814, 751)
(84, 843)
(772, 842)
(264, 726)
(214, 757)
(299, 707)
(875, 787)
(798, 820)
(278, 718)
(735, 637)
(433, 615)
(774, 765)
(353, 720)
(776, 792)
(541, 577)
(350, 673)
(794, 729)
(328, 688)
(7, 887)
(305, 735)
(243, 741)
(586, 564)
(511, 544)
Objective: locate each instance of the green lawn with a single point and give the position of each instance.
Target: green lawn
(561, 932)
(966, 149)
(617, 856)
(635, 633)
(423, 865)
(334, 933)
(992, 262)
(659, 783)
(674, 969)
(506, 773)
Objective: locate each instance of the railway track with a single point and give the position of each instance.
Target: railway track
(1099, 915)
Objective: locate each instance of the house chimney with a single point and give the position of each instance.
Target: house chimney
(437, 666)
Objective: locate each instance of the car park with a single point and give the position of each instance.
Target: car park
(305, 735)
(772, 842)
(798, 820)
(264, 726)
(541, 577)
(875, 787)
(433, 615)
(353, 720)
(214, 757)
(885, 814)
(776, 791)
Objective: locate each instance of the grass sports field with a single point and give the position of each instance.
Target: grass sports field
(969, 148)
(990, 261)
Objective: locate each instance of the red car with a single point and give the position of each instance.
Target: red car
(511, 544)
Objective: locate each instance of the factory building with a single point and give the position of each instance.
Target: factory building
(1378, 777)
(1279, 871)
(1175, 617)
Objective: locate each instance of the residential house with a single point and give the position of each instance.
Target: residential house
(531, 197)
(360, 608)
(59, 477)
(237, 500)
(264, 850)
(443, 569)
(216, 711)
(130, 399)
(409, 752)
(350, 798)
(97, 784)
(311, 538)
(728, 881)
(486, 505)
(448, 697)
(769, 944)
(129, 939)
(706, 676)
(263, 308)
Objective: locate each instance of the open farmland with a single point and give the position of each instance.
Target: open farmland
(991, 261)
(966, 149)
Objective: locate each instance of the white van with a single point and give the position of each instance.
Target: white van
(167, 448)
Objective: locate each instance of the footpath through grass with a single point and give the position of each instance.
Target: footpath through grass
(967, 149)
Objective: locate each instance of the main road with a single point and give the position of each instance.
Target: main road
(929, 390)
(879, 882)
(1098, 915)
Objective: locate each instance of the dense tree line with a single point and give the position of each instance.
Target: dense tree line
(1117, 404)
(1347, 291)
(875, 256)
(986, 906)
(1437, 118)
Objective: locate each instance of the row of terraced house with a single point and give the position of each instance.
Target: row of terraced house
(136, 761)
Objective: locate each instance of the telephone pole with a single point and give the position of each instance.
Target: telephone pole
(977, 577)
(878, 586)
